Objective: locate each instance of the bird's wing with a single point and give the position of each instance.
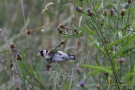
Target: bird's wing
(59, 53)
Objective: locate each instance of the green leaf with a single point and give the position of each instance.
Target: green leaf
(90, 31)
(98, 5)
(87, 31)
(113, 5)
(130, 39)
(100, 68)
(66, 85)
(30, 69)
(124, 49)
(93, 72)
(127, 26)
(92, 43)
(117, 41)
(97, 46)
(129, 76)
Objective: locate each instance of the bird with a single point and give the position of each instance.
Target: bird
(58, 56)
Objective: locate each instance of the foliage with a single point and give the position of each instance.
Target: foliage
(99, 32)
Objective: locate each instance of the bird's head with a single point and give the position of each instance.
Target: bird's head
(42, 53)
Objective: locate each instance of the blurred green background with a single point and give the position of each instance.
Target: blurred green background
(13, 24)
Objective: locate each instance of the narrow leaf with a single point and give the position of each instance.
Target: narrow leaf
(93, 72)
(124, 49)
(66, 85)
(98, 5)
(97, 46)
(117, 41)
(101, 68)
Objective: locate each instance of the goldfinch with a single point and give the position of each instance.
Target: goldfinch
(58, 56)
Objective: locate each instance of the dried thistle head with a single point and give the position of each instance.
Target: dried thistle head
(90, 12)
(81, 84)
(75, 30)
(62, 26)
(129, 1)
(106, 74)
(78, 70)
(112, 11)
(28, 32)
(62, 42)
(47, 7)
(11, 65)
(59, 30)
(17, 88)
(126, 5)
(122, 12)
(48, 66)
(121, 61)
(79, 9)
(18, 57)
(105, 12)
(12, 45)
(51, 51)
(98, 87)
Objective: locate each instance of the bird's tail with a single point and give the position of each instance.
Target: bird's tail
(72, 57)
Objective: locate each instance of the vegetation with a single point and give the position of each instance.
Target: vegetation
(100, 33)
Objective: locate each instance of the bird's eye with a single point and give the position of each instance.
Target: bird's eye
(41, 52)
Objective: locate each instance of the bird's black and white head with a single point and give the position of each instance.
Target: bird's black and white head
(42, 53)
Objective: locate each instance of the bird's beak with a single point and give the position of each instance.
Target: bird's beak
(38, 54)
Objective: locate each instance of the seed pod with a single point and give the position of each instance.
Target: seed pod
(122, 12)
(12, 45)
(79, 70)
(79, 9)
(62, 42)
(126, 6)
(106, 74)
(102, 21)
(111, 11)
(62, 26)
(59, 30)
(105, 12)
(17, 88)
(121, 60)
(48, 66)
(19, 57)
(82, 83)
(11, 65)
(51, 51)
(90, 12)
(129, 1)
(75, 30)
(28, 32)
(98, 87)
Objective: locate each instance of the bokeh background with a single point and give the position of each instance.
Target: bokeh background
(16, 19)
(13, 23)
